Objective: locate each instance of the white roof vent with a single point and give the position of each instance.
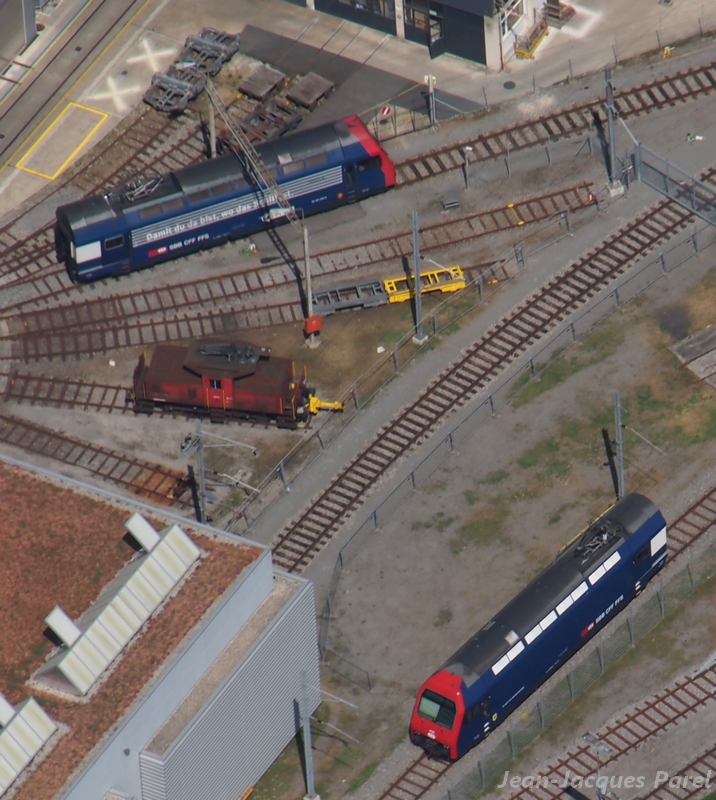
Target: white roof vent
(136, 592)
(22, 737)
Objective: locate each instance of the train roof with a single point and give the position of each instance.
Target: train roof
(229, 359)
(581, 556)
(85, 212)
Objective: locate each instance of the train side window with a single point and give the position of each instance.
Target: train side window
(173, 204)
(214, 384)
(314, 161)
(113, 243)
(197, 197)
(294, 166)
(350, 177)
(222, 188)
(643, 554)
(369, 163)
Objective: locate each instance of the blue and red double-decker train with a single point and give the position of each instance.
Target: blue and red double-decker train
(163, 217)
(590, 581)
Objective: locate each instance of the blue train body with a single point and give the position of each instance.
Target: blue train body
(167, 216)
(591, 580)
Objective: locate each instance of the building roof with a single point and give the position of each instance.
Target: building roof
(62, 547)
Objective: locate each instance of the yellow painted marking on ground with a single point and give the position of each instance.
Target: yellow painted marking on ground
(53, 126)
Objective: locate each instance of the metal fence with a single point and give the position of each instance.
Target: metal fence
(516, 379)
(585, 668)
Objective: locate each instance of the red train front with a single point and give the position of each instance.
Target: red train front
(438, 714)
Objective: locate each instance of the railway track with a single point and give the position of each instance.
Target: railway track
(499, 347)
(417, 779)
(666, 708)
(142, 478)
(213, 306)
(83, 395)
(703, 767)
(143, 152)
(578, 119)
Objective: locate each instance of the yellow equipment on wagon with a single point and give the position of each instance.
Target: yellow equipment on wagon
(440, 279)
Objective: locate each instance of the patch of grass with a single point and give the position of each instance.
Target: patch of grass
(541, 451)
(596, 346)
(439, 521)
(494, 477)
(557, 516)
(470, 496)
(362, 776)
(444, 617)
(487, 526)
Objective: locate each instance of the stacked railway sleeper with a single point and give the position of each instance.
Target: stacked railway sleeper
(205, 307)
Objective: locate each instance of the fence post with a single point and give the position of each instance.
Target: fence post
(320, 439)
(450, 440)
(663, 261)
(412, 479)
(510, 739)
(541, 714)
(394, 356)
(532, 366)
(600, 653)
(570, 685)
(492, 404)
(695, 241)
(660, 595)
(616, 297)
(574, 332)
(354, 394)
(630, 628)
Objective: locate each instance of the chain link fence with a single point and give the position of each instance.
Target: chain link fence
(590, 664)
(518, 376)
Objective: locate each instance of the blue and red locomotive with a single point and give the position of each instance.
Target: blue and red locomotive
(590, 581)
(204, 205)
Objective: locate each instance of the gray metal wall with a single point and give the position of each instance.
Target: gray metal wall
(17, 28)
(250, 719)
(116, 766)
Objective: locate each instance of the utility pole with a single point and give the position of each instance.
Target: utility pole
(467, 152)
(202, 473)
(312, 325)
(306, 727)
(430, 81)
(620, 444)
(420, 337)
(615, 186)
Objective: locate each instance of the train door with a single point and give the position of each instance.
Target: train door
(215, 397)
(648, 558)
(115, 252)
(350, 183)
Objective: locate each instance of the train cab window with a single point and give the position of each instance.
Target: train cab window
(173, 204)
(113, 243)
(294, 166)
(314, 161)
(437, 709)
(222, 188)
(197, 197)
(369, 163)
(214, 384)
(350, 177)
(643, 554)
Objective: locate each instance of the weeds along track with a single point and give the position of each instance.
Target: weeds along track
(241, 300)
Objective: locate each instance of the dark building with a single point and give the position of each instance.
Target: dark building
(483, 31)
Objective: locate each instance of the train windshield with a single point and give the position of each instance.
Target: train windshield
(437, 708)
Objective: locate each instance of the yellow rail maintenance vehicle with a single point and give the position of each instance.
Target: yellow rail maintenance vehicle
(440, 279)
